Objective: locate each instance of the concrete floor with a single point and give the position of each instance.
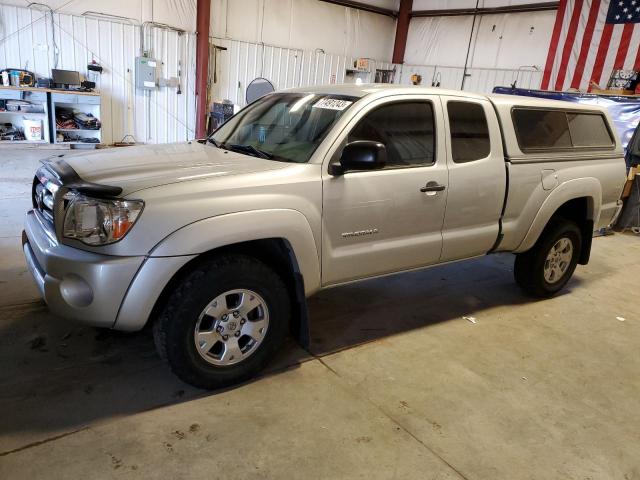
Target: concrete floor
(396, 384)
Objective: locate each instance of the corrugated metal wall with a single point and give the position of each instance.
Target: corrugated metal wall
(163, 116)
(156, 117)
(481, 80)
(284, 67)
(287, 67)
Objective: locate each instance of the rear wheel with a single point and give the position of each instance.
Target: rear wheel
(547, 267)
(224, 322)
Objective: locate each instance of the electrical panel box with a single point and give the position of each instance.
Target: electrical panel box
(146, 73)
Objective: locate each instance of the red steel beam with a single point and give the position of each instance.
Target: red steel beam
(402, 30)
(363, 6)
(452, 12)
(203, 14)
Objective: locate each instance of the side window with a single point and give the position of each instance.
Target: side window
(542, 128)
(588, 130)
(560, 130)
(407, 130)
(469, 131)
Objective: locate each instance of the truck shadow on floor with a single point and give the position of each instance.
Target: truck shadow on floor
(362, 312)
(58, 377)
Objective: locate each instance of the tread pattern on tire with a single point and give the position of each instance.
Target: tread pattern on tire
(527, 264)
(165, 326)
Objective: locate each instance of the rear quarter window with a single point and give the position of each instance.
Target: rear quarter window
(546, 129)
(540, 129)
(589, 130)
(469, 131)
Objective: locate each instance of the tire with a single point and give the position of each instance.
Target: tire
(192, 341)
(529, 268)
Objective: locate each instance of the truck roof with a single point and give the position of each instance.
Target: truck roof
(511, 100)
(362, 90)
(355, 90)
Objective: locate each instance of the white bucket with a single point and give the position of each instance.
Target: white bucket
(32, 129)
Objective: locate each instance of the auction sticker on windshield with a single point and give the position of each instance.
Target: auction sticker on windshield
(332, 104)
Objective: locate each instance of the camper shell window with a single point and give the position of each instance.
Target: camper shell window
(560, 130)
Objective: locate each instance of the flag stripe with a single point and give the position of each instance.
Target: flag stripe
(610, 58)
(553, 46)
(590, 40)
(586, 43)
(568, 44)
(636, 64)
(593, 48)
(634, 44)
(602, 53)
(624, 45)
(573, 57)
(564, 32)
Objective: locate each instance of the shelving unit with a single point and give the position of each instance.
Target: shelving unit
(35, 97)
(84, 102)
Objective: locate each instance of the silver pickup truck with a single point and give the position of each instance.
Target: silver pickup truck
(219, 242)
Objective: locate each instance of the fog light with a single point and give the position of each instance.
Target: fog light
(75, 291)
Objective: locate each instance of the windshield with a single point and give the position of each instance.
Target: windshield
(282, 126)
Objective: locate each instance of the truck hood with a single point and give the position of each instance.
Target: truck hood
(140, 167)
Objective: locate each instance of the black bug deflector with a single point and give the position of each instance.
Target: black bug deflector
(68, 178)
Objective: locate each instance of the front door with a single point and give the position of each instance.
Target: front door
(388, 220)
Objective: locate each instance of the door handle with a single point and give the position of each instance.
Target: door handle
(432, 187)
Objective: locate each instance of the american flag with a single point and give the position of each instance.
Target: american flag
(590, 39)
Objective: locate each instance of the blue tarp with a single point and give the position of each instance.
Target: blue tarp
(625, 111)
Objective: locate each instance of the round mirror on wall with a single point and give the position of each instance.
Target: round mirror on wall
(258, 87)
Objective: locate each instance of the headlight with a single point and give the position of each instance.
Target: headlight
(97, 221)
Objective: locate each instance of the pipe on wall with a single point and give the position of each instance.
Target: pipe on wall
(466, 59)
(203, 14)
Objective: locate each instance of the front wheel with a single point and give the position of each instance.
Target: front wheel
(547, 267)
(224, 322)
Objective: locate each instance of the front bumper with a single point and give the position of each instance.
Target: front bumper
(79, 285)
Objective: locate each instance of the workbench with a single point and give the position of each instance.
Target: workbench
(48, 101)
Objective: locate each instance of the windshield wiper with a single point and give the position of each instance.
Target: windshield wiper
(216, 143)
(249, 149)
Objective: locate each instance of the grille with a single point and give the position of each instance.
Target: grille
(43, 193)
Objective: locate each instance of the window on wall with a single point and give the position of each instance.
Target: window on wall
(560, 130)
(469, 131)
(407, 129)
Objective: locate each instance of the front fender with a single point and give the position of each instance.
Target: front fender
(588, 187)
(183, 245)
(210, 233)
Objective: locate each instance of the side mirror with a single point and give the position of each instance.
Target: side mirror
(360, 155)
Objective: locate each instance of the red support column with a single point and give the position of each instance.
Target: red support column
(202, 65)
(402, 30)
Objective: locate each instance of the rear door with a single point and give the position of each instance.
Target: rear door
(477, 178)
(382, 221)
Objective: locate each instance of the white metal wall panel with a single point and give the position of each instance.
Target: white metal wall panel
(243, 61)
(507, 40)
(158, 116)
(481, 80)
(178, 13)
(449, 4)
(306, 24)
